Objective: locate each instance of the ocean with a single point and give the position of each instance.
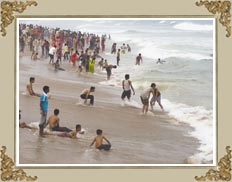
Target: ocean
(186, 78)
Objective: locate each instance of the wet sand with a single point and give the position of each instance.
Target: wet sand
(136, 139)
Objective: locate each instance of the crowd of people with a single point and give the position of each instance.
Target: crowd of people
(83, 49)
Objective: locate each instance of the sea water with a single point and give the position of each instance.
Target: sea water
(185, 77)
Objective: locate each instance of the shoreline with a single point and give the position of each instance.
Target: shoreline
(129, 124)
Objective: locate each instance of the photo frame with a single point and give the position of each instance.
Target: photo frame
(222, 116)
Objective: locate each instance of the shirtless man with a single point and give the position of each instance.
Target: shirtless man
(156, 98)
(139, 59)
(98, 140)
(53, 122)
(30, 88)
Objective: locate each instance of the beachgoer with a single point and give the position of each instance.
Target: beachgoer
(43, 108)
(113, 48)
(73, 133)
(139, 59)
(57, 66)
(159, 61)
(127, 87)
(128, 48)
(98, 140)
(145, 96)
(54, 122)
(123, 48)
(66, 52)
(74, 57)
(58, 54)
(85, 94)
(52, 52)
(35, 56)
(156, 98)
(118, 57)
(91, 64)
(23, 124)
(100, 63)
(109, 70)
(29, 88)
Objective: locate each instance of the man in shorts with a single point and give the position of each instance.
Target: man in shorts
(127, 87)
(43, 109)
(156, 98)
(145, 96)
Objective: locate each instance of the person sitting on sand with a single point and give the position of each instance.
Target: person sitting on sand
(29, 87)
(145, 95)
(127, 87)
(73, 133)
(156, 98)
(98, 140)
(85, 94)
(53, 122)
(23, 124)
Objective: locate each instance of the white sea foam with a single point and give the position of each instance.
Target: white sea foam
(193, 27)
(202, 121)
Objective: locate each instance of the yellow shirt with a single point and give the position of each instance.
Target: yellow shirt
(65, 48)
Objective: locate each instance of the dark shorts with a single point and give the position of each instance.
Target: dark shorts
(158, 99)
(104, 147)
(144, 101)
(51, 56)
(126, 93)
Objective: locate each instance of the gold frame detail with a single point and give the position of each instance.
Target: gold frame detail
(7, 12)
(8, 172)
(221, 7)
(224, 169)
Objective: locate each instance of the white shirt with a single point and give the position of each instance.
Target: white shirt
(52, 51)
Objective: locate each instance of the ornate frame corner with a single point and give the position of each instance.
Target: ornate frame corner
(221, 7)
(224, 169)
(7, 12)
(8, 171)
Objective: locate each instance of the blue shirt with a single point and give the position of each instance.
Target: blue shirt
(44, 102)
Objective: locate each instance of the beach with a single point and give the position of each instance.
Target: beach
(135, 138)
(182, 134)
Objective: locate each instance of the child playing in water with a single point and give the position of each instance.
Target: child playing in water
(73, 133)
(30, 87)
(98, 140)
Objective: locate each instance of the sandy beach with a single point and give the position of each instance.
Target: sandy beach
(136, 139)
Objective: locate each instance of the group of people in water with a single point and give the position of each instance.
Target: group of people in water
(72, 43)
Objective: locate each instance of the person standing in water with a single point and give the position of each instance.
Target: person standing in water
(139, 59)
(145, 96)
(127, 87)
(156, 98)
(118, 57)
(43, 108)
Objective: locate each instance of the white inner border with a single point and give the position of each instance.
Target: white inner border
(116, 165)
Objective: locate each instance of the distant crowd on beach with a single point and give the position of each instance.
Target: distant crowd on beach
(82, 50)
